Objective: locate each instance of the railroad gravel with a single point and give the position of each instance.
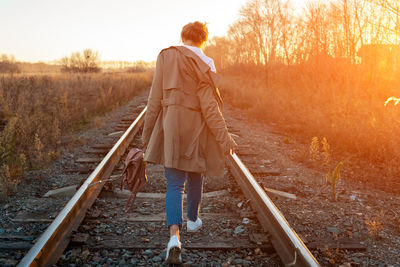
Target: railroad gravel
(156, 257)
(223, 223)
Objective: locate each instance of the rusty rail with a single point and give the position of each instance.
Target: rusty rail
(52, 243)
(286, 242)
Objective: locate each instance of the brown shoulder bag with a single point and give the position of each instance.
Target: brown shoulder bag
(134, 175)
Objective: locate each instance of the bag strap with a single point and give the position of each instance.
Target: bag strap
(129, 203)
(123, 176)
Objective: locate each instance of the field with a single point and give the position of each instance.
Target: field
(36, 110)
(346, 107)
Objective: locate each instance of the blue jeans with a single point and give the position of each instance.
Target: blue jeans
(176, 180)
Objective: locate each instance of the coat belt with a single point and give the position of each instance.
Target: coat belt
(181, 99)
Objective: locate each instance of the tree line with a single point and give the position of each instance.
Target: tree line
(83, 62)
(87, 61)
(8, 64)
(271, 31)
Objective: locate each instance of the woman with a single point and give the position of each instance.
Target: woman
(184, 129)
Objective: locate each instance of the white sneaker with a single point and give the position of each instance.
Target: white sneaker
(194, 226)
(173, 251)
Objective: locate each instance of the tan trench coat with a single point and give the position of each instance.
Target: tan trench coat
(184, 127)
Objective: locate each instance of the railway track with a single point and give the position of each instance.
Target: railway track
(93, 229)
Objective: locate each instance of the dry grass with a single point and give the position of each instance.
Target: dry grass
(341, 102)
(36, 110)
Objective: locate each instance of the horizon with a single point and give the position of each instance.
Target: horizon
(54, 30)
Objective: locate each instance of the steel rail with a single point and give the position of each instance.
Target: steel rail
(286, 242)
(52, 243)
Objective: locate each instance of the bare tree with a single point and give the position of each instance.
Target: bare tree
(391, 25)
(246, 49)
(88, 61)
(222, 50)
(317, 25)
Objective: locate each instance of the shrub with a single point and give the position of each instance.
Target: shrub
(12, 164)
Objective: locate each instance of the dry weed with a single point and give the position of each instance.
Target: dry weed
(343, 103)
(37, 110)
(314, 149)
(374, 227)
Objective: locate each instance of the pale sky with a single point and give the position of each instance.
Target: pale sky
(129, 30)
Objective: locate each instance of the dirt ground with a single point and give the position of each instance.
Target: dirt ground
(360, 228)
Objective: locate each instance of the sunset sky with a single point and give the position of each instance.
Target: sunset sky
(130, 30)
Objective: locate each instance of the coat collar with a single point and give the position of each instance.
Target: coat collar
(204, 68)
(189, 53)
(200, 63)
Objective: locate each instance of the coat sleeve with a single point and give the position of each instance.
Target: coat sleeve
(154, 101)
(213, 116)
